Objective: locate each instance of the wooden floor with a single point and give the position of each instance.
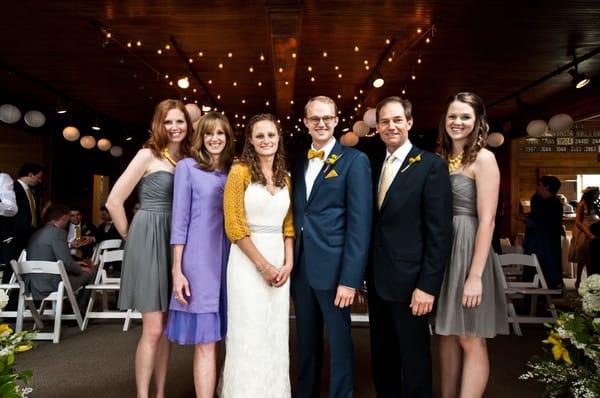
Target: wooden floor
(100, 363)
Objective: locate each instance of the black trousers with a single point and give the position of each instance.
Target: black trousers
(315, 309)
(400, 349)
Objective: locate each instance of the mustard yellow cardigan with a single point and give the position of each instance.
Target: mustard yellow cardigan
(236, 226)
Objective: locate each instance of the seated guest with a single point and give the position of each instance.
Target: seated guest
(567, 208)
(106, 229)
(49, 243)
(81, 237)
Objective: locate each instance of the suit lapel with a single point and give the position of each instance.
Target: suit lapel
(301, 181)
(337, 149)
(400, 176)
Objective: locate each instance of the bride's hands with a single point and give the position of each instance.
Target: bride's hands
(283, 275)
(269, 273)
(181, 288)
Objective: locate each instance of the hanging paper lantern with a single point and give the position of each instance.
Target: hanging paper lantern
(87, 141)
(495, 139)
(194, 112)
(71, 133)
(104, 144)
(360, 128)
(349, 139)
(369, 118)
(9, 113)
(35, 119)
(560, 122)
(537, 128)
(116, 151)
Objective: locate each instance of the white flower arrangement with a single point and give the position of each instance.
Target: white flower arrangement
(3, 299)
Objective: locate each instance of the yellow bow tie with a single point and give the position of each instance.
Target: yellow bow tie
(315, 154)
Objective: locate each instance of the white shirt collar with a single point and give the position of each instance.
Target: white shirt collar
(24, 185)
(401, 152)
(326, 149)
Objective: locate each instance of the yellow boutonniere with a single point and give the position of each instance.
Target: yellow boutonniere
(331, 159)
(558, 349)
(412, 161)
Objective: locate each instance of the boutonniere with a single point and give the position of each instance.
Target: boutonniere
(412, 161)
(330, 161)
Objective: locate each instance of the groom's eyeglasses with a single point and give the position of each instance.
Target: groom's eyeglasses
(315, 120)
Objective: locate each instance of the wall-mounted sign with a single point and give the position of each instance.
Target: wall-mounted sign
(577, 139)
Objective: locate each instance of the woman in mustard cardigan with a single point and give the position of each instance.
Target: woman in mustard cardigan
(258, 221)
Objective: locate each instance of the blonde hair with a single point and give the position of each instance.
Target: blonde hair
(320, 98)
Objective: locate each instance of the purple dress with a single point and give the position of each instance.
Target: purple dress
(197, 223)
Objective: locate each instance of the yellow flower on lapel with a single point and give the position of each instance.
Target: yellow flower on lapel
(331, 174)
(412, 161)
(330, 161)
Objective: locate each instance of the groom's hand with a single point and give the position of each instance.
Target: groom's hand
(421, 303)
(344, 296)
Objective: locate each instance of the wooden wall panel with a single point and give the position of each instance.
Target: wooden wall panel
(18, 147)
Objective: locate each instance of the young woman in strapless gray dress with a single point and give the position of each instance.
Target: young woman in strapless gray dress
(145, 275)
(472, 305)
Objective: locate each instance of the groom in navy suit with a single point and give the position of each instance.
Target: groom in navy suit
(332, 205)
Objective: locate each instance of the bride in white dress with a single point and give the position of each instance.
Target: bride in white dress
(258, 221)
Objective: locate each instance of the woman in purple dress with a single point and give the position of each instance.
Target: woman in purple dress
(197, 313)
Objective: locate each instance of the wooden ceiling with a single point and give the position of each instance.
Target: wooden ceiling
(494, 48)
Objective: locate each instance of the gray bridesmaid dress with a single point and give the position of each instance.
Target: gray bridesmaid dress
(452, 318)
(146, 270)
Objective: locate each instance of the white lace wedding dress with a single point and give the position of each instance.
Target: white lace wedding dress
(257, 352)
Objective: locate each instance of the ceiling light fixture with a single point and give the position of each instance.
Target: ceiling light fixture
(184, 82)
(579, 79)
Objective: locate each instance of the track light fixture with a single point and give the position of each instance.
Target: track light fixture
(579, 79)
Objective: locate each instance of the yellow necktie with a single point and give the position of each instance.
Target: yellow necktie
(315, 154)
(386, 180)
(78, 251)
(32, 207)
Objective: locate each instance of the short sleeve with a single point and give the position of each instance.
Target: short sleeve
(236, 226)
(288, 222)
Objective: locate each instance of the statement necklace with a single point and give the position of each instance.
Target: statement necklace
(455, 162)
(166, 155)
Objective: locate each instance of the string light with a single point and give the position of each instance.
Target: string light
(356, 49)
(259, 84)
(419, 30)
(312, 78)
(159, 51)
(210, 81)
(234, 84)
(167, 47)
(129, 44)
(108, 35)
(427, 40)
(266, 103)
(339, 75)
(339, 96)
(286, 83)
(336, 67)
(191, 61)
(418, 60)
(413, 77)
(367, 67)
(366, 62)
(200, 54)
(324, 54)
(251, 69)
(138, 43)
(309, 68)
(262, 57)
(243, 101)
(293, 55)
(218, 96)
(280, 70)
(220, 66)
(387, 41)
(230, 55)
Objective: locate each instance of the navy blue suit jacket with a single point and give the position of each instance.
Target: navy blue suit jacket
(333, 226)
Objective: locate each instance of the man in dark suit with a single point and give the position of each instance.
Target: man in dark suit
(80, 236)
(411, 240)
(49, 243)
(106, 229)
(332, 205)
(19, 228)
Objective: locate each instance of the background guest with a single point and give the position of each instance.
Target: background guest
(567, 208)
(8, 208)
(80, 236)
(106, 229)
(594, 264)
(543, 231)
(585, 216)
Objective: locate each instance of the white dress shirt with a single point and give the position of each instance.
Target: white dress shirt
(315, 165)
(401, 153)
(8, 201)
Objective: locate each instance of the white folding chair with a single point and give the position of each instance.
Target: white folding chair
(57, 297)
(103, 284)
(12, 284)
(109, 244)
(533, 289)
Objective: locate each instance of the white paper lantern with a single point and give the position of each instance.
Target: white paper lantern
(560, 122)
(71, 133)
(9, 113)
(349, 139)
(116, 151)
(369, 118)
(104, 144)
(194, 112)
(495, 139)
(537, 128)
(87, 141)
(35, 119)
(360, 128)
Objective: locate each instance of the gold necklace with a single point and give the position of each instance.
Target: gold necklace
(455, 162)
(166, 155)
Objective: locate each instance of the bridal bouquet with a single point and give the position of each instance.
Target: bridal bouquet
(572, 363)
(13, 383)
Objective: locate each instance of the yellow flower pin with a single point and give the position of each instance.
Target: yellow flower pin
(23, 348)
(330, 161)
(412, 161)
(4, 328)
(558, 349)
